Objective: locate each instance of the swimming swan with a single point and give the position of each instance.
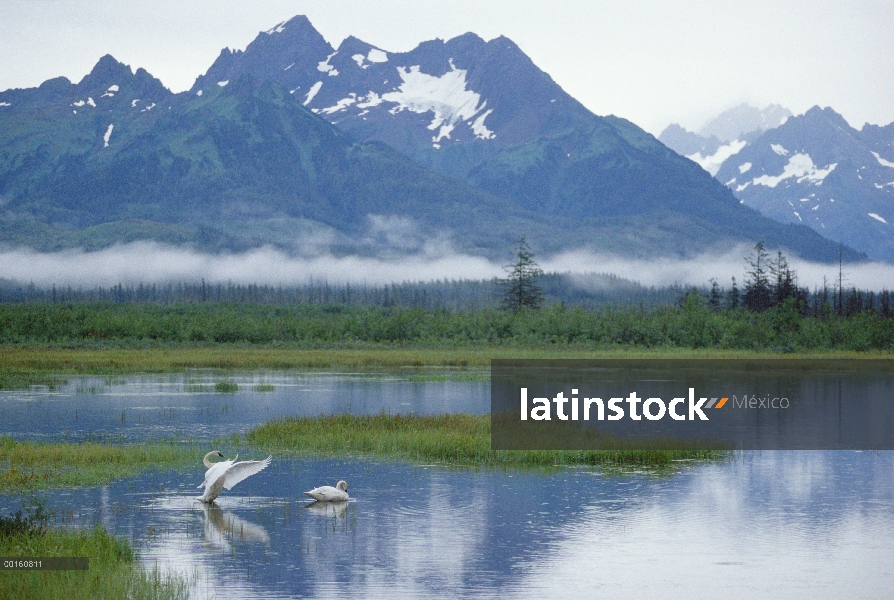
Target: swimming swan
(227, 473)
(327, 493)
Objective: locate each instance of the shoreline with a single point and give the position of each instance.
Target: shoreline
(37, 361)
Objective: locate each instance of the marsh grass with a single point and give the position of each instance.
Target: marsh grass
(28, 466)
(456, 439)
(18, 380)
(26, 366)
(226, 387)
(113, 572)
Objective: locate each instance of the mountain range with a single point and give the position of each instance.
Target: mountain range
(462, 143)
(812, 169)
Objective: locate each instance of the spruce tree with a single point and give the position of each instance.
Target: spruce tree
(758, 295)
(521, 288)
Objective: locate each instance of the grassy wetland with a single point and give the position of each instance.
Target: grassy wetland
(463, 440)
(43, 342)
(113, 570)
(32, 466)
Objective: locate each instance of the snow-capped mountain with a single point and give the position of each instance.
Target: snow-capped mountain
(724, 135)
(483, 112)
(463, 140)
(817, 170)
(435, 96)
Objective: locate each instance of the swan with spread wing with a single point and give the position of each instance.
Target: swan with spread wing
(227, 473)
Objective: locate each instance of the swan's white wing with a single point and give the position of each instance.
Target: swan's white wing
(246, 468)
(216, 472)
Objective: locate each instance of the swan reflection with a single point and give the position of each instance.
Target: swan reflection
(223, 527)
(328, 509)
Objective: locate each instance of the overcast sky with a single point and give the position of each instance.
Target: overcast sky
(653, 62)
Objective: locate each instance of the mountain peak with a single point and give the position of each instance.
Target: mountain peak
(826, 114)
(743, 120)
(294, 44)
(107, 71)
(296, 23)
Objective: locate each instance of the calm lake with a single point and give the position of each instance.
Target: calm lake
(780, 524)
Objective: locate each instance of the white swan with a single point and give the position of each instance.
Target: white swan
(227, 473)
(327, 493)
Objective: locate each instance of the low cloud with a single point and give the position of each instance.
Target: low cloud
(699, 270)
(149, 262)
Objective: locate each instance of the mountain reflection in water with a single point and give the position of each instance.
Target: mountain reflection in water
(767, 525)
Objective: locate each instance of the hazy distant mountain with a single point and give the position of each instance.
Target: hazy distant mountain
(817, 170)
(743, 120)
(724, 135)
(296, 144)
(814, 169)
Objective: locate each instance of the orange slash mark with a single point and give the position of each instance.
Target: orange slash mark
(721, 403)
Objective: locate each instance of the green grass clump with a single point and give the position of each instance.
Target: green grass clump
(28, 466)
(453, 439)
(113, 571)
(265, 387)
(226, 387)
(20, 380)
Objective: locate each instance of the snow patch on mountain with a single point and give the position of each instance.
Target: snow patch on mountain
(108, 135)
(882, 161)
(373, 56)
(373, 99)
(478, 128)
(877, 218)
(445, 96)
(5, 104)
(744, 167)
(779, 149)
(324, 67)
(801, 167)
(223, 83)
(313, 92)
(340, 105)
(377, 56)
(712, 163)
(278, 29)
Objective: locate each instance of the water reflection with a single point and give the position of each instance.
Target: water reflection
(772, 524)
(222, 527)
(187, 407)
(337, 510)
